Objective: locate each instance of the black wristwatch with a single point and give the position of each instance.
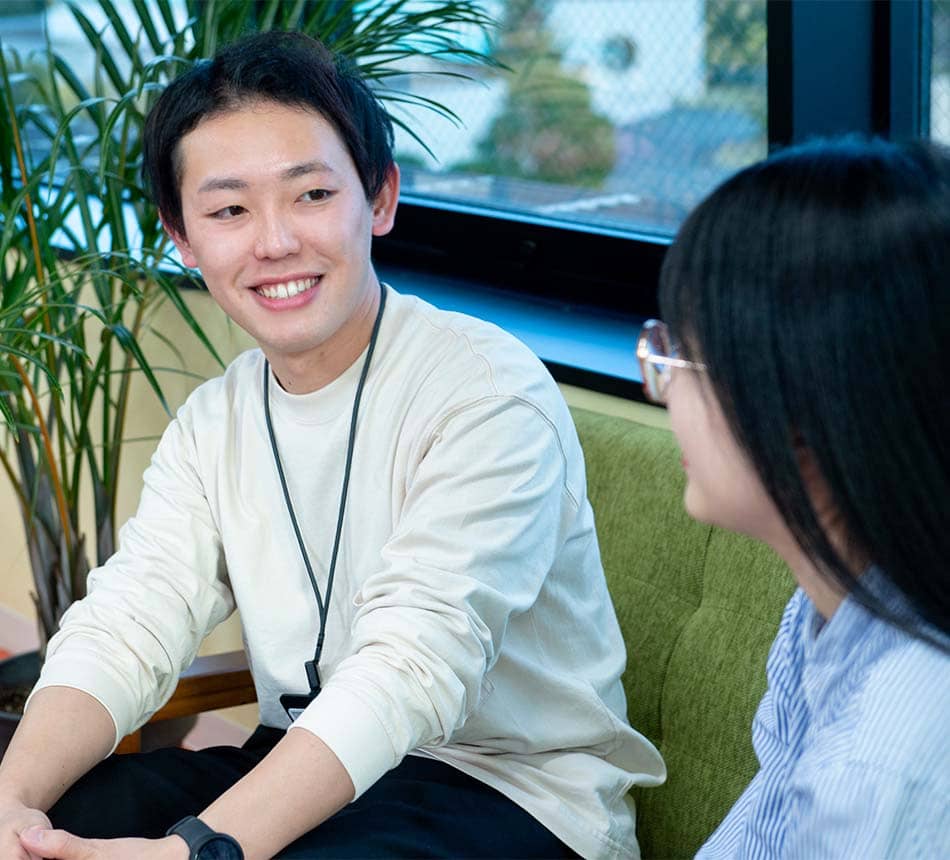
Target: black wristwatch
(205, 843)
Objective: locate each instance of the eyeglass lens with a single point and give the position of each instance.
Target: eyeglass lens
(656, 377)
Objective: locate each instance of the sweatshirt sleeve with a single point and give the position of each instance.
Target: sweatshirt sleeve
(150, 605)
(485, 514)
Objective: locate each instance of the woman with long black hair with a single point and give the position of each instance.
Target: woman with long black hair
(805, 360)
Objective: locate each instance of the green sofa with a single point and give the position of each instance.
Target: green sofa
(699, 608)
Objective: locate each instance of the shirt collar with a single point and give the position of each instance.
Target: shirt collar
(839, 649)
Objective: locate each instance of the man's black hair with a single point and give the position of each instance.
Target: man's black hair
(287, 68)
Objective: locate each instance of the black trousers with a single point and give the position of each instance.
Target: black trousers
(422, 808)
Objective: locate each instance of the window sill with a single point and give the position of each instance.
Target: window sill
(580, 346)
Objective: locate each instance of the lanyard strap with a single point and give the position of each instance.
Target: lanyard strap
(323, 606)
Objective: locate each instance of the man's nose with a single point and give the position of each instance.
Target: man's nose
(277, 236)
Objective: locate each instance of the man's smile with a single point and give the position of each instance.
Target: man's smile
(287, 289)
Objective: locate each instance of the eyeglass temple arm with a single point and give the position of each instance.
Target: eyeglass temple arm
(675, 362)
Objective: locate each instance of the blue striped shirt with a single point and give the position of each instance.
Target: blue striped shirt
(853, 742)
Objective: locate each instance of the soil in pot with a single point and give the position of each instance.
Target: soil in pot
(17, 676)
(12, 699)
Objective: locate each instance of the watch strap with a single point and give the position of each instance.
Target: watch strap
(197, 834)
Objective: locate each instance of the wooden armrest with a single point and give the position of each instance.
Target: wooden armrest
(212, 682)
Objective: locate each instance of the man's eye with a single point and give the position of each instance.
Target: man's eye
(227, 212)
(315, 194)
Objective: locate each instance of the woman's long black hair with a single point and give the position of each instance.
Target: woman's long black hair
(816, 288)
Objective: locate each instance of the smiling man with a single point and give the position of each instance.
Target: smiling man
(395, 499)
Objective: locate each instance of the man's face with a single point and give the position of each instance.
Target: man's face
(278, 223)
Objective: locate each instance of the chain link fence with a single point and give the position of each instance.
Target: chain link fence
(615, 113)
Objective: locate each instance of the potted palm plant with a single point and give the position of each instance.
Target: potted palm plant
(75, 308)
(83, 258)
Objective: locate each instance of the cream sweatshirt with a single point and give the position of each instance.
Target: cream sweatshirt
(469, 619)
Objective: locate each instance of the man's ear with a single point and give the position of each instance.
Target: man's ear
(384, 206)
(181, 243)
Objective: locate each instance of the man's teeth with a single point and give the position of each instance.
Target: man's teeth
(287, 289)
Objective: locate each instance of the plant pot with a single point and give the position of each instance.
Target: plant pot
(17, 676)
(20, 669)
(8, 724)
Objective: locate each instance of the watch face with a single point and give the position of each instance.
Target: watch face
(220, 848)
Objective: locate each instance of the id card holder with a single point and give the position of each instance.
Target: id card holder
(295, 703)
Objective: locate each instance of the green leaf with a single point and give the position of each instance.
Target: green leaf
(95, 39)
(131, 345)
(120, 30)
(173, 294)
(148, 26)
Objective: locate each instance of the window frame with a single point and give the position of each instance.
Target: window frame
(874, 50)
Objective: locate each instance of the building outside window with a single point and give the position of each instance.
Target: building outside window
(616, 114)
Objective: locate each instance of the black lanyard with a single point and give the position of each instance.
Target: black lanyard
(313, 675)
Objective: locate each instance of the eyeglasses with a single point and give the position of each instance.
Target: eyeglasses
(657, 357)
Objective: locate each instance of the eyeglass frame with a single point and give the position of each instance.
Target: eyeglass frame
(655, 382)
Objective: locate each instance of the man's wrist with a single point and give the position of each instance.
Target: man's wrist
(12, 795)
(205, 842)
(175, 848)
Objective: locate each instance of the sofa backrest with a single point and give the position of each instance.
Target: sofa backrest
(699, 608)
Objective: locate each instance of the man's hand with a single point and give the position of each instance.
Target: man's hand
(15, 817)
(43, 842)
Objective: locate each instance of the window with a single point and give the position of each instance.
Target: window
(616, 115)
